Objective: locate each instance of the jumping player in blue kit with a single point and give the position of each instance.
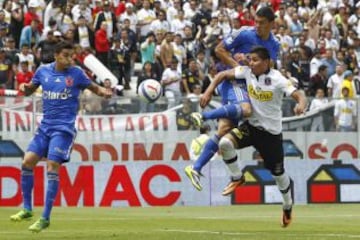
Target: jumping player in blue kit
(61, 86)
(235, 99)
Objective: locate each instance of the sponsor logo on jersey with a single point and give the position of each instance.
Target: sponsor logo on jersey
(347, 110)
(57, 95)
(262, 96)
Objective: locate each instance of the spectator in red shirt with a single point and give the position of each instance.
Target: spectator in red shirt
(120, 9)
(31, 15)
(98, 8)
(102, 44)
(24, 75)
(246, 19)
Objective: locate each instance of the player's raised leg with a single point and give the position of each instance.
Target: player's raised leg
(210, 148)
(229, 111)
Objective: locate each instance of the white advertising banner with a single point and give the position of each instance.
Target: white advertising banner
(165, 184)
(138, 160)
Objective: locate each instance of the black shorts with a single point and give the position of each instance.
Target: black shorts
(269, 146)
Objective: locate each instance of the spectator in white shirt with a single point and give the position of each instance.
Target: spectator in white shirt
(191, 11)
(145, 17)
(82, 9)
(129, 14)
(315, 62)
(319, 101)
(179, 51)
(335, 81)
(172, 12)
(160, 25)
(330, 41)
(345, 113)
(171, 79)
(178, 25)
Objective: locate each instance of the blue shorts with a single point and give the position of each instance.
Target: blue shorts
(51, 144)
(233, 92)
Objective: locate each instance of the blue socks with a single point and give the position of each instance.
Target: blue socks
(232, 111)
(27, 184)
(210, 148)
(52, 189)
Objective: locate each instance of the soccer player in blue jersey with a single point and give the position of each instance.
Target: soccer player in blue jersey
(61, 86)
(235, 100)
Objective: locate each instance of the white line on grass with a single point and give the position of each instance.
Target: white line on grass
(275, 215)
(201, 217)
(257, 233)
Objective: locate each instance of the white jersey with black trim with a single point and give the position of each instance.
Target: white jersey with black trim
(266, 94)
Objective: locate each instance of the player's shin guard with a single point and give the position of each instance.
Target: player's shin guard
(284, 185)
(210, 148)
(230, 158)
(52, 189)
(232, 111)
(27, 184)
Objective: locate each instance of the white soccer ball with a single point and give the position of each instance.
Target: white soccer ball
(150, 90)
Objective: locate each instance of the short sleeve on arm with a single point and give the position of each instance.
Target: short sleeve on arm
(36, 79)
(84, 81)
(240, 71)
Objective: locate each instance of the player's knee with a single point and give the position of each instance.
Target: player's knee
(52, 166)
(227, 148)
(246, 109)
(223, 130)
(276, 169)
(30, 160)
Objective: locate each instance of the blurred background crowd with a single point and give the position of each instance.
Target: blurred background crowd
(175, 40)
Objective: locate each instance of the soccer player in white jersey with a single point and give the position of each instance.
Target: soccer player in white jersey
(263, 129)
(234, 98)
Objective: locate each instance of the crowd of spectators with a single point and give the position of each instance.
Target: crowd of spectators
(174, 40)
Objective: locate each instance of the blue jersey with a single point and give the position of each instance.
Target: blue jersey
(60, 95)
(244, 39)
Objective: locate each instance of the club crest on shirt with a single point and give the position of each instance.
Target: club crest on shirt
(267, 81)
(69, 81)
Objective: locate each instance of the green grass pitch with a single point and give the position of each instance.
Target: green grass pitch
(327, 222)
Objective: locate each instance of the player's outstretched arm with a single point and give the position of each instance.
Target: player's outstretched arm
(224, 55)
(100, 91)
(28, 88)
(301, 100)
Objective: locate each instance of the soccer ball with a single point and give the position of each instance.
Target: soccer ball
(150, 90)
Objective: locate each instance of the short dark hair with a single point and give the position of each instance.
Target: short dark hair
(174, 60)
(63, 45)
(261, 51)
(322, 68)
(267, 13)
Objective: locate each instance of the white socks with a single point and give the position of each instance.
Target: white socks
(283, 182)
